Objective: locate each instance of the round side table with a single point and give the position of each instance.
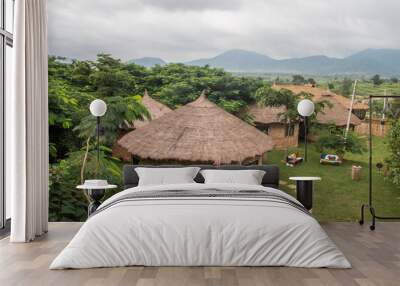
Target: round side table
(95, 193)
(304, 190)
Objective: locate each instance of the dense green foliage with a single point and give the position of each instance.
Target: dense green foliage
(72, 86)
(72, 149)
(346, 87)
(268, 96)
(334, 141)
(393, 160)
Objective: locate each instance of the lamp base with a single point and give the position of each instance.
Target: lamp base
(96, 195)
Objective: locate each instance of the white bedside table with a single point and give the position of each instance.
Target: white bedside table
(96, 193)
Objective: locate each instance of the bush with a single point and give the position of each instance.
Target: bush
(394, 147)
(334, 142)
(66, 203)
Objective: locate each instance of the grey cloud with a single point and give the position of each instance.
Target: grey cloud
(178, 30)
(194, 4)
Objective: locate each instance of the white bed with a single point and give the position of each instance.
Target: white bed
(202, 231)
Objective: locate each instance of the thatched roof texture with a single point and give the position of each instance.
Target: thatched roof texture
(319, 93)
(337, 114)
(339, 111)
(197, 132)
(266, 114)
(155, 108)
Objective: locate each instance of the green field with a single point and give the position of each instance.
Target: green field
(364, 86)
(367, 88)
(337, 197)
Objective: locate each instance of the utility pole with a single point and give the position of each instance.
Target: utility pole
(350, 110)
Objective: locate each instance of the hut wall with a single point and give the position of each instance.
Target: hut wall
(378, 129)
(277, 131)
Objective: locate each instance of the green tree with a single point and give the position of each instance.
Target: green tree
(65, 101)
(311, 81)
(121, 112)
(346, 87)
(81, 71)
(393, 161)
(394, 80)
(267, 96)
(66, 202)
(298, 79)
(109, 78)
(376, 79)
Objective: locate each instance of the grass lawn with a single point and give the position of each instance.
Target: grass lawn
(368, 88)
(337, 197)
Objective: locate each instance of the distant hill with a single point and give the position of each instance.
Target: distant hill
(147, 62)
(237, 60)
(367, 62)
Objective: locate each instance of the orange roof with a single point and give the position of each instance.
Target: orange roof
(338, 113)
(320, 93)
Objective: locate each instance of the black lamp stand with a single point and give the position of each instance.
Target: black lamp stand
(98, 138)
(305, 138)
(370, 202)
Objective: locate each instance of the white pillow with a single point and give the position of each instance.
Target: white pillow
(248, 177)
(166, 176)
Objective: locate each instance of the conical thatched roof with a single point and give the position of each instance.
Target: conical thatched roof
(155, 108)
(198, 132)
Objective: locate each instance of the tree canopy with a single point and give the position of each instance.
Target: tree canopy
(72, 86)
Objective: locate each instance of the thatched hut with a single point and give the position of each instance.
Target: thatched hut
(339, 111)
(269, 120)
(155, 108)
(199, 132)
(337, 114)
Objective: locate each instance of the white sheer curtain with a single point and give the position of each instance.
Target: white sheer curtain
(27, 123)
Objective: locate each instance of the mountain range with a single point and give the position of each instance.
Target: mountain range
(367, 62)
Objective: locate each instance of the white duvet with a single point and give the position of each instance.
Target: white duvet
(200, 231)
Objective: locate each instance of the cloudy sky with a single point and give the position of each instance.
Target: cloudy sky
(180, 30)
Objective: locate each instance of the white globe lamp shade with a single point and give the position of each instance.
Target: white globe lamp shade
(98, 107)
(305, 107)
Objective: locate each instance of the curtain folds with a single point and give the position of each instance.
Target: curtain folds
(27, 120)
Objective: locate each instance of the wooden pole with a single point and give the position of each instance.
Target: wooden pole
(350, 110)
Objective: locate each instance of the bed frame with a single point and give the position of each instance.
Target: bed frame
(270, 179)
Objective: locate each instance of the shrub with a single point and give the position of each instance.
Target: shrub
(393, 161)
(335, 141)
